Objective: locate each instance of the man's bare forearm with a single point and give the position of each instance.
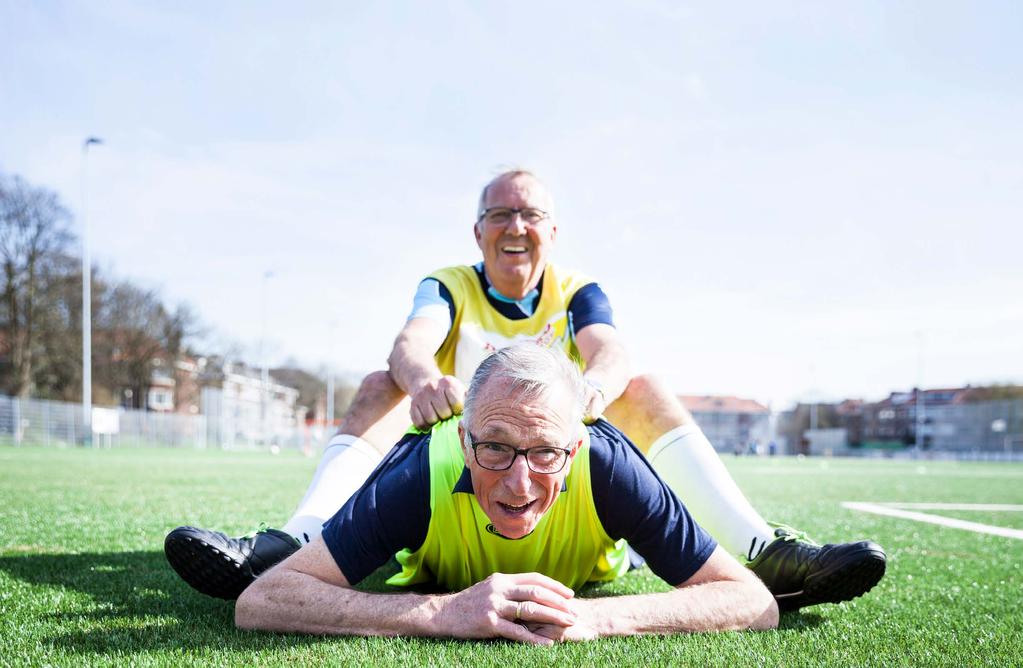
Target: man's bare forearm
(609, 368)
(290, 600)
(713, 606)
(411, 367)
(607, 362)
(411, 362)
(293, 602)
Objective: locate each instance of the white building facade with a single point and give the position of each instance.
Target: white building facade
(243, 411)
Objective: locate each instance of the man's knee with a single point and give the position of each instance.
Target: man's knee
(647, 388)
(376, 390)
(376, 397)
(379, 383)
(648, 399)
(652, 391)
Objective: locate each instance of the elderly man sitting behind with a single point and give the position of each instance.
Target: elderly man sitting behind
(512, 508)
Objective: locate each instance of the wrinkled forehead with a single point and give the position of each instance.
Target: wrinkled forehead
(518, 191)
(504, 411)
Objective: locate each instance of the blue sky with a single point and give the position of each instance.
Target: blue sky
(783, 200)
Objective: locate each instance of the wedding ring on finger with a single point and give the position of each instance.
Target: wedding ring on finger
(518, 611)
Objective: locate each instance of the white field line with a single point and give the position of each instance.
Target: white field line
(894, 471)
(878, 509)
(994, 507)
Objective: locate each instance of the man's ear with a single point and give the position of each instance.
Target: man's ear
(476, 232)
(462, 442)
(579, 434)
(571, 455)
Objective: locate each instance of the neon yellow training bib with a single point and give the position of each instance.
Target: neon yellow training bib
(461, 548)
(478, 330)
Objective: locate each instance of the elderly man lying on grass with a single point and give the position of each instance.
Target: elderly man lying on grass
(511, 508)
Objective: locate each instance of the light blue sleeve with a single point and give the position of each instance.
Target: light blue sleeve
(428, 303)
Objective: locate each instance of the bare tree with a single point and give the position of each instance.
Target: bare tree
(41, 310)
(135, 337)
(127, 341)
(33, 241)
(57, 368)
(182, 327)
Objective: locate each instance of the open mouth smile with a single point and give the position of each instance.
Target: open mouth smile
(514, 249)
(515, 510)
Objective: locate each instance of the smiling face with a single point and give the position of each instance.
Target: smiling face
(515, 254)
(516, 499)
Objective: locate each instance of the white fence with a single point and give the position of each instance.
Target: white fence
(60, 424)
(1012, 453)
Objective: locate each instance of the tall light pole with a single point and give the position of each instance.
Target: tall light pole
(330, 377)
(921, 419)
(86, 296)
(265, 376)
(814, 397)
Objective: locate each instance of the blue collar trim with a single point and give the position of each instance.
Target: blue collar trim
(527, 304)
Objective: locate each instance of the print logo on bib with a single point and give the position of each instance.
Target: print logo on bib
(475, 344)
(493, 530)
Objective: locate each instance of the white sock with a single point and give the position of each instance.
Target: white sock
(686, 460)
(346, 463)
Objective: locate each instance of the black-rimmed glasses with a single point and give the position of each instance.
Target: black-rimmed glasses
(502, 215)
(500, 456)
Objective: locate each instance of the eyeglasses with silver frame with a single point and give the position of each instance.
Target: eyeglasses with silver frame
(502, 215)
(495, 456)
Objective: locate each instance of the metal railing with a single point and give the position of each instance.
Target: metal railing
(39, 422)
(60, 424)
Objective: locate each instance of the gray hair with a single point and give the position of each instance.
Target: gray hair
(535, 373)
(503, 176)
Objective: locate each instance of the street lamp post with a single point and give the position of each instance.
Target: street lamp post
(330, 378)
(921, 418)
(265, 375)
(86, 296)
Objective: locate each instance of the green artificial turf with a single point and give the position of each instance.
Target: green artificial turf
(83, 578)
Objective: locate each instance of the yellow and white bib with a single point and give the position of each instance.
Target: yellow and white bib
(478, 330)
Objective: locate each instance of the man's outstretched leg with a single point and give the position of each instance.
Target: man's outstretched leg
(796, 570)
(375, 421)
(220, 566)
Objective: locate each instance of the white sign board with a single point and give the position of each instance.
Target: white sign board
(105, 421)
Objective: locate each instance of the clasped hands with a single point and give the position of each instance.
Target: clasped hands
(525, 607)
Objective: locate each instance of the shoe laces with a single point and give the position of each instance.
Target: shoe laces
(788, 534)
(262, 528)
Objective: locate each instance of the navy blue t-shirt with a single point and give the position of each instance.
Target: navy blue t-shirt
(391, 511)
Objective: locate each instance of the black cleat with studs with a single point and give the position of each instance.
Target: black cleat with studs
(219, 566)
(800, 573)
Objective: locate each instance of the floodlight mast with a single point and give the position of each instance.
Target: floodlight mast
(919, 413)
(86, 297)
(265, 374)
(329, 417)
